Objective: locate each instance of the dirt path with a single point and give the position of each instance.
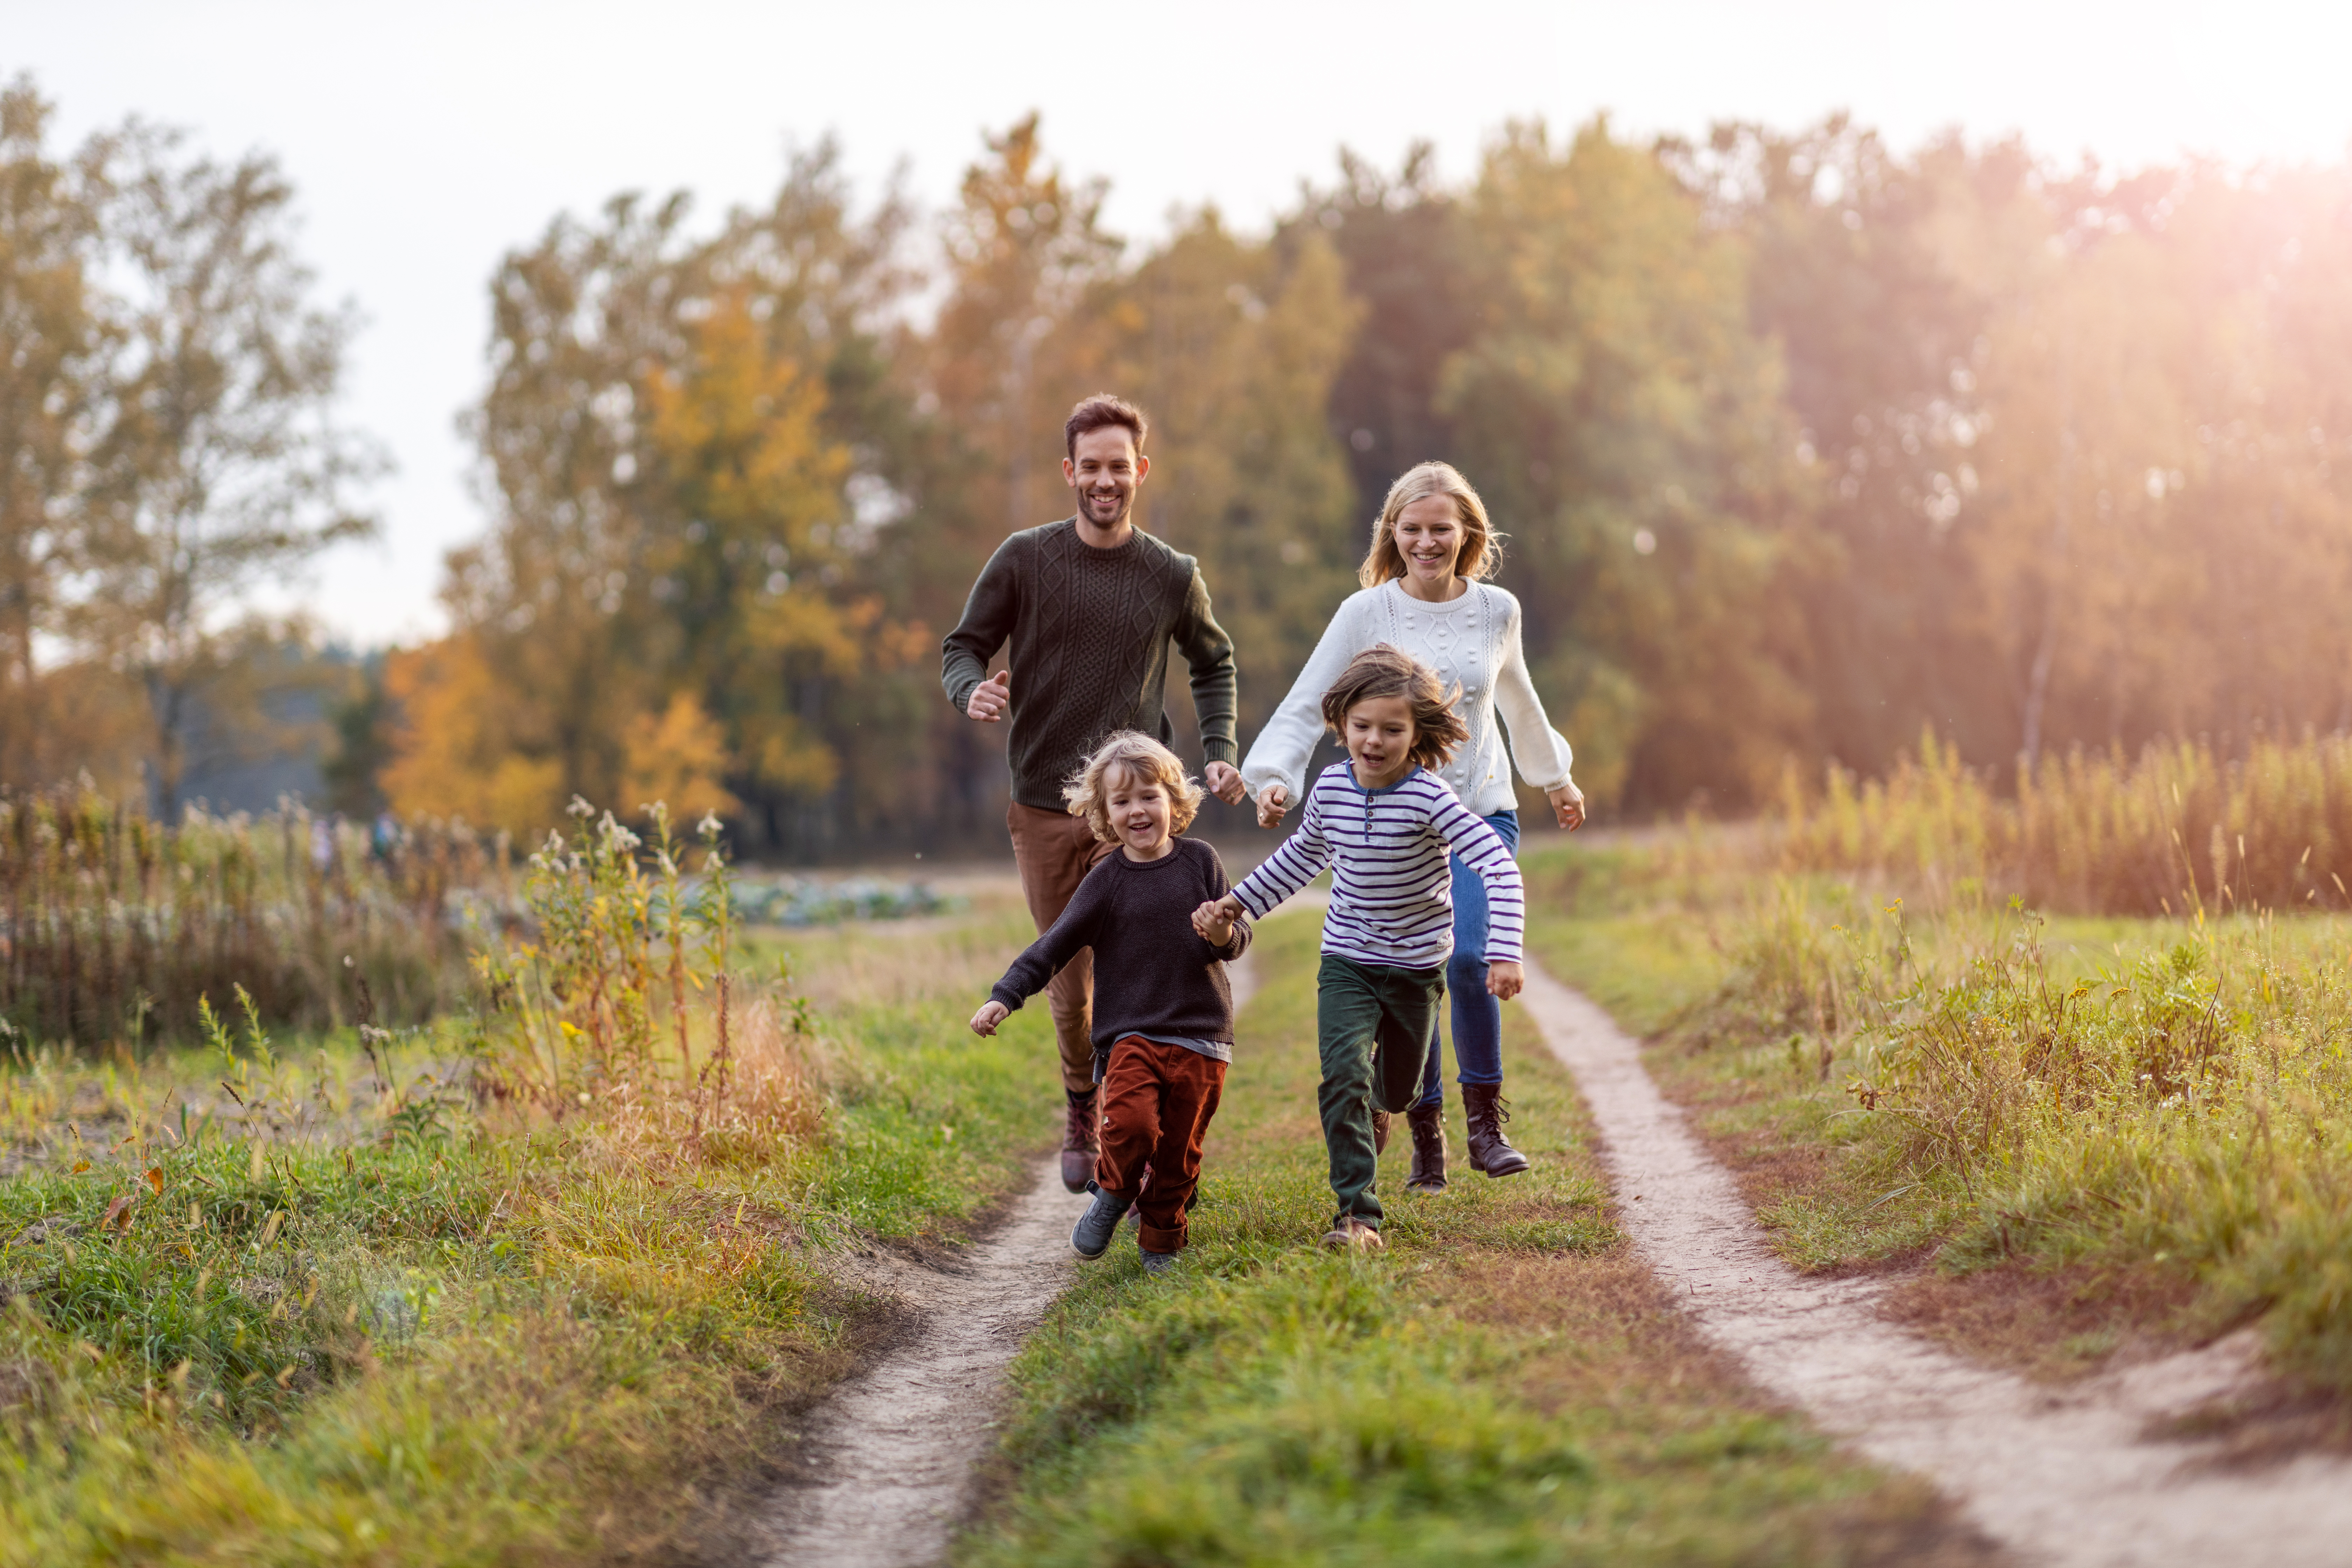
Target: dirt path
(2060, 1475)
(892, 1452)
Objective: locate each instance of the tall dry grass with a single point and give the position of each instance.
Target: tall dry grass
(2177, 829)
(116, 924)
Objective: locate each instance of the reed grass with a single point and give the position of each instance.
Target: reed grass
(117, 924)
(2178, 829)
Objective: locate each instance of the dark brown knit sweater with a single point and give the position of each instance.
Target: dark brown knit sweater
(1090, 630)
(1153, 975)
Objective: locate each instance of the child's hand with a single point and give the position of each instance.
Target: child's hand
(1213, 921)
(1504, 979)
(992, 1013)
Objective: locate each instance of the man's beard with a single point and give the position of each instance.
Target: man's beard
(1086, 502)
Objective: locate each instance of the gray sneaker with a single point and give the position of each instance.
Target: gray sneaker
(1090, 1238)
(1159, 1262)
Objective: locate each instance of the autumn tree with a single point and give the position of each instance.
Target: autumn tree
(221, 465)
(672, 598)
(52, 336)
(1627, 429)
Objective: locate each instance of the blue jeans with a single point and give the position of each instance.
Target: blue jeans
(1477, 1016)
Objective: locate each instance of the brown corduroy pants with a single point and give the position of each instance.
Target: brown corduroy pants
(1054, 851)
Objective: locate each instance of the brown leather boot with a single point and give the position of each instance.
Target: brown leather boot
(1428, 1124)
(1489, 1151)
(1380, 1133)
(1081, 1139)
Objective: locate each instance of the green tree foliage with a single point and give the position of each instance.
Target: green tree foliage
(1627, 426)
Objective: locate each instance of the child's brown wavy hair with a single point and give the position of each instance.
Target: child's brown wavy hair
(1087, 792)
(1385, 670)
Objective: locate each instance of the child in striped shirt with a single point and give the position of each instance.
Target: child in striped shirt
(1383, 823)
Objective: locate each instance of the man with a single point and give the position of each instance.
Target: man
(1090, 606)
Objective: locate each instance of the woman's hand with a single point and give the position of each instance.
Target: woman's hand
(1567, 805)
(1272, 802)
(992, 1013)
(1212, 923)
(1504, 979)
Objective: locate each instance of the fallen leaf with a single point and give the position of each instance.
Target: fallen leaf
(118, 1209)
(155, 1179)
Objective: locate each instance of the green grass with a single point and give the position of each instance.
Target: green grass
(1505, 1384)
(2147, 1120)
(433, 1335)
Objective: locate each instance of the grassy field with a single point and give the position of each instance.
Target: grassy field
(1506, 1384)
(300, 1305)
(2109, 1133)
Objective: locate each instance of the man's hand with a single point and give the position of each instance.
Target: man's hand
(1271, 803)
(1213, 921)
(992, 697)
(1504, 979)
(1224, 782)
(992, 1013)
(1567, 805)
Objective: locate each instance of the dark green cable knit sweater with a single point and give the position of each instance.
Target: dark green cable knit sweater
(1090, 630)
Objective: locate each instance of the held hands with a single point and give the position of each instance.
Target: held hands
(1213, 921)
(1567, 805)
(992, 1013)
(992, 697)
(1504, 979)
(1224, 782)
(1271, 803)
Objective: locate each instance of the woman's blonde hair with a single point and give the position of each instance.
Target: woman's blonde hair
(1481, 549)
(1087, 792)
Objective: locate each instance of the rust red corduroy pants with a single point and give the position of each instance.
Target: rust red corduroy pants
(1157, 1102)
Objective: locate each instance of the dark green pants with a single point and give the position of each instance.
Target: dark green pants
(1374, 1025)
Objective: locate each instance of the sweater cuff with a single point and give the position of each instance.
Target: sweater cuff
(1005, 994)
(1224, 752)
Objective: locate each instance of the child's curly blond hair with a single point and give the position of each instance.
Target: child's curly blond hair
(1087, 792)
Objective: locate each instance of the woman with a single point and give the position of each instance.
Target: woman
(1424, 592)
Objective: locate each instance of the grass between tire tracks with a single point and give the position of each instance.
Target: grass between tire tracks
(1505, 1384)
(2102, 1136)
(446, 1337)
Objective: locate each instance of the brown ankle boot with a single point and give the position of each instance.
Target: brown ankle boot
(1428, 1124)
(1380, 1133)
(1489, 1151)
(1081, 1140)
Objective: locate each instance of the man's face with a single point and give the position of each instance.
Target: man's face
(1104, 471)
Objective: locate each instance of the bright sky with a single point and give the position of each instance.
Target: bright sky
(427, 138)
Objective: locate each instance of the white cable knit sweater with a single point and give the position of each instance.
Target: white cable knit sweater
(1473, 639)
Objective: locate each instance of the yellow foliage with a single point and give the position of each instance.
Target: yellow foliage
(740, 432)
(676, 757)
(455, 753)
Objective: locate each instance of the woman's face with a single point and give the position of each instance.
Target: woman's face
(1429, 537)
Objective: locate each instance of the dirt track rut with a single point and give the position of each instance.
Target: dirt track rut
(2060, 1475)
(891, 1454)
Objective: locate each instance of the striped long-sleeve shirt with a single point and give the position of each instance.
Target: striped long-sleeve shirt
(1392, 895)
